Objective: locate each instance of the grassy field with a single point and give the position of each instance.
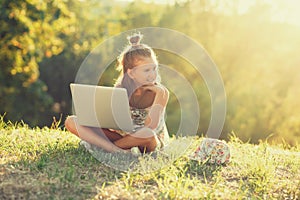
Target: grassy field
(49, 163)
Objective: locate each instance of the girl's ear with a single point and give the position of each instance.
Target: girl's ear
(129, 72)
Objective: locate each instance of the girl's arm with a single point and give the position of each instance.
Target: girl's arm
(158, 106)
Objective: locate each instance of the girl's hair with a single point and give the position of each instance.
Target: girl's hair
(133, 52)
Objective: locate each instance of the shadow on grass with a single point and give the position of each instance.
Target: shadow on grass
(56, 168)
(68, 173)
(202, 170)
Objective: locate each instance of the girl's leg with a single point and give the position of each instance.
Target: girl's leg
(111, 135)
(145, 139)
(87, 134)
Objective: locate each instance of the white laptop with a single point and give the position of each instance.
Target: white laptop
(100, 106)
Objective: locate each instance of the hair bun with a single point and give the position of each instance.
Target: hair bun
(135, 39)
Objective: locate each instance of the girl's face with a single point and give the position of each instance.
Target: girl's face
(144, 72)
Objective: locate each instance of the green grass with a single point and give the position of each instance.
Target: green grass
(49, 164)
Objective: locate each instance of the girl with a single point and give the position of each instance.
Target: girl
(147, 99)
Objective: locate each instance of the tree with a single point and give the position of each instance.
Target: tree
(29, 31)
(60, 70)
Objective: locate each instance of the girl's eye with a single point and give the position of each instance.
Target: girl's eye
(147, 70)
(150, 70)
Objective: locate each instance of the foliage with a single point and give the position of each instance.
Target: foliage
(44, 42)
(30, 31)
(48, 164)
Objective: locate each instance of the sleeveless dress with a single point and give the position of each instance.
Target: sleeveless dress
(139, 117)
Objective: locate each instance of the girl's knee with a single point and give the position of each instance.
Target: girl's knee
(70, 122)
(70, 119)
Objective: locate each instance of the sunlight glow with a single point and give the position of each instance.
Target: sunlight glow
(170, 2)
(285, 11)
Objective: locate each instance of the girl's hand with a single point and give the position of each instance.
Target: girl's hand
(162, 93)
(142, 98)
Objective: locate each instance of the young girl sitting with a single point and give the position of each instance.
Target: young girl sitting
(147, 98)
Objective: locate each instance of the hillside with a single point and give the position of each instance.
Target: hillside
(50, 164)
